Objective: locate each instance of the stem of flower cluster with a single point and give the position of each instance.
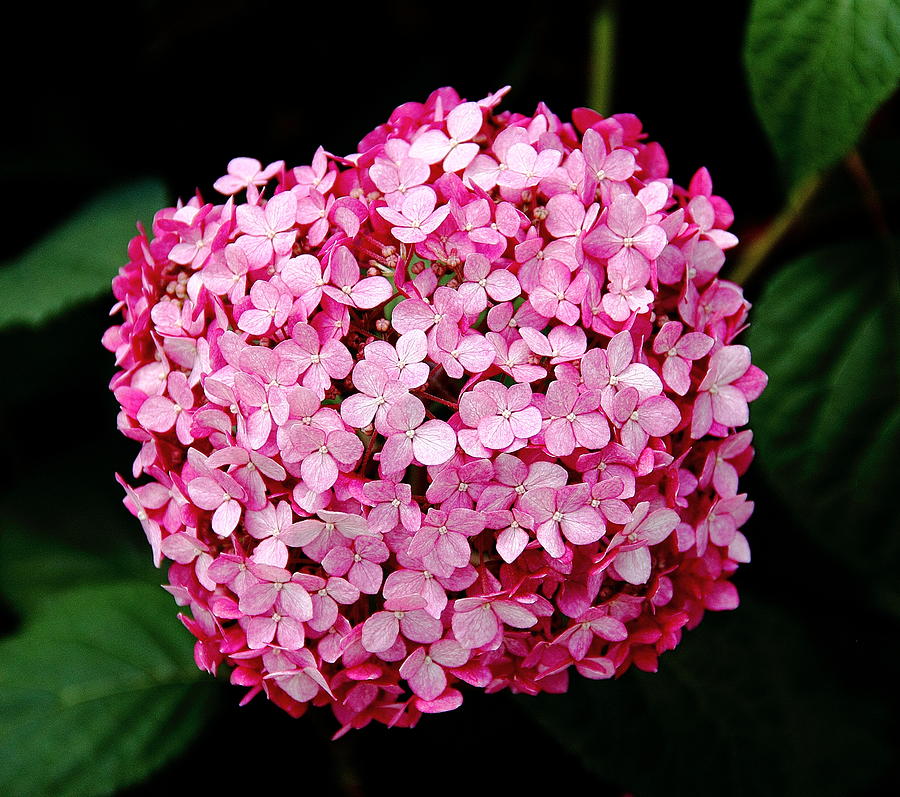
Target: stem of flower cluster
(429, 397)
(758, 252)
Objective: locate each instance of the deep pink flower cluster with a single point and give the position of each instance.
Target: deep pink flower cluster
(461, 407)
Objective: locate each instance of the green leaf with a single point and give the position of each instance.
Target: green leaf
(745, 706)
(35, 567)
(97, 691)
(78, 260)
(818, 70)
(828, 425)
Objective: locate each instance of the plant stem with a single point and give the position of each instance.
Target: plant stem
(603, 56)
(757, 253)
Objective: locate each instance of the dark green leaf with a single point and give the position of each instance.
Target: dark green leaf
(78, 260)
(818, 69)
(828, 426)
(743, 707)
(34, 567)
(97, 690)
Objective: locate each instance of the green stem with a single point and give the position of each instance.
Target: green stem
(603, 56)
(758, 252)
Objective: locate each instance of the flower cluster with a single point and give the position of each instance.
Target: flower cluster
(461, 407)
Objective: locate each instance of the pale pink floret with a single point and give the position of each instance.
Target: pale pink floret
(557, 295)
(445, 312)
(515, 358)
(478, 622)
(392, 504)
(381, 630)
(593, 623)
(611, 369)
(429, 443)
(305, 278)
(275, 528)
(526, 167)
(227, 274)
(403, 361)
(571, 420)
(270, 307)
(562, 344)
(319, 361)
(347, 288)
(460, 353)
(416, 217)
(629, 550)
(501, 415)
(680, 351)
(398, 173)
(160, 414)
(718, 399)
(442, 541)
(626, 240)
(456, 150)
(563, 512)
(378, 392)
(639, 420)
(324, 455)
(481, 282)
(425, 671)
(267, 232)
(244, 172)
(602, 165)
(360, 563)
(718, 470)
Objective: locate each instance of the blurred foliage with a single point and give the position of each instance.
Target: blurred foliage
(78, 259)
(745, 706)
(818, 70)
(828, 425)
(97, 690)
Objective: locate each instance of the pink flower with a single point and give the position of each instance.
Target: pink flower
(501, 415)
(719, 400)
(244, 172)
(319, 361)
(267, 232)
(477, 622)
(429, 443)
(456, 151)
(459, 353)
(365, 293)
(571, 419)
(270, 307)
(680, 350)
(456, 411)
(324, 455)
(160, 414)
(391, 504)
(481, 282)
(557, 295)
(403, 362)
(639, 420)
(564, 512)
(377, 394)
(359, 562)
(630, 547)
(417, 216)
(441, 542)
(425, 671)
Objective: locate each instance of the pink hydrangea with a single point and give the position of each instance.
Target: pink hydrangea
(460, 410)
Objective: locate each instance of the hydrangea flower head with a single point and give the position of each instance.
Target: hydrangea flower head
(457, 411)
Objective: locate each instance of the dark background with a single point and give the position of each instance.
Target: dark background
(173, 89)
